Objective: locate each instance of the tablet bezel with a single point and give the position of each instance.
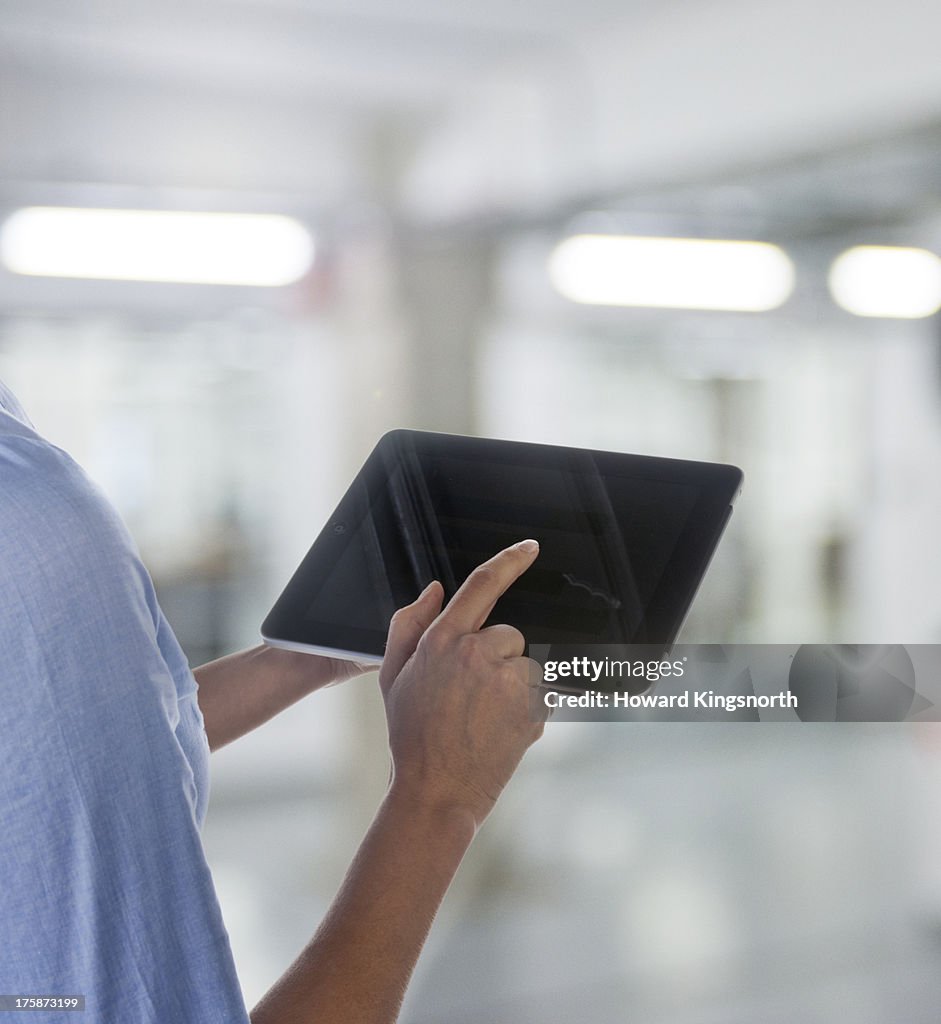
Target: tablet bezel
(719, 484)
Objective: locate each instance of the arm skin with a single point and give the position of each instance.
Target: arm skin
(243, 690)
(459, 711)
(356, 968)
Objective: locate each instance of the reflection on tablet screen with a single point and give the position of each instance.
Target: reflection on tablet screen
(621, 543)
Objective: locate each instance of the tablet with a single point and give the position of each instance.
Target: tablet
(624, 542)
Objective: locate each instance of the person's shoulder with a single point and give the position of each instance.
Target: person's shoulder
(58, 532)
(10, 405)
(43, 490)
(32, 468)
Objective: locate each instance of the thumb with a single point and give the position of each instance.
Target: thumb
(406, 629)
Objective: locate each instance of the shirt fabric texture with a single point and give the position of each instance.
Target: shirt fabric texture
(104, 887)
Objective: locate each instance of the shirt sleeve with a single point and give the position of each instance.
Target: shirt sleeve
(106, 892)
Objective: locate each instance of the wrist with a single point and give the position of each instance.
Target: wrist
(436, 795)
(444, 812)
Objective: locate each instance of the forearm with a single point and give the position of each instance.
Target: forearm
(243, 690)
(458, 702)
(357, 966)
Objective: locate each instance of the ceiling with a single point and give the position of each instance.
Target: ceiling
(363, 52)
(529, 111)
(316, 102)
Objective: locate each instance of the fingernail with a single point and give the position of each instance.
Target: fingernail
(426, 591)
(529, 546)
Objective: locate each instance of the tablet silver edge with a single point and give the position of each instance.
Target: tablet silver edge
(327, 652)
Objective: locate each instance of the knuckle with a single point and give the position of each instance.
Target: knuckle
(469, 651)
(507, 674)
(506, 636)
(399, 618)
(501, 637)
(485, 574)
(435, 641)
(519, 641)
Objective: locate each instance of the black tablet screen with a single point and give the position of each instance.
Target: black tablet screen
(623, 540)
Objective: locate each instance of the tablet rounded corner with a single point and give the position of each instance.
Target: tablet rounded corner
(737, 479)
(393, 438)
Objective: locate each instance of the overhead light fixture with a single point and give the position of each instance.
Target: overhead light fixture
(672, 273)
(887, 281)
(260, 250)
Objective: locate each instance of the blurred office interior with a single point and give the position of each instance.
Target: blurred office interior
(438, 154)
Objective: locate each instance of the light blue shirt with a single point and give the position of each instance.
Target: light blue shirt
(104, 887)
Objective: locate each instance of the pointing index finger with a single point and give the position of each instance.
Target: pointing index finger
(468, 609)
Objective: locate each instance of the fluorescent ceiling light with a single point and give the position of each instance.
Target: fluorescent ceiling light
(154, 245)
(672, 273)
(887, 281)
